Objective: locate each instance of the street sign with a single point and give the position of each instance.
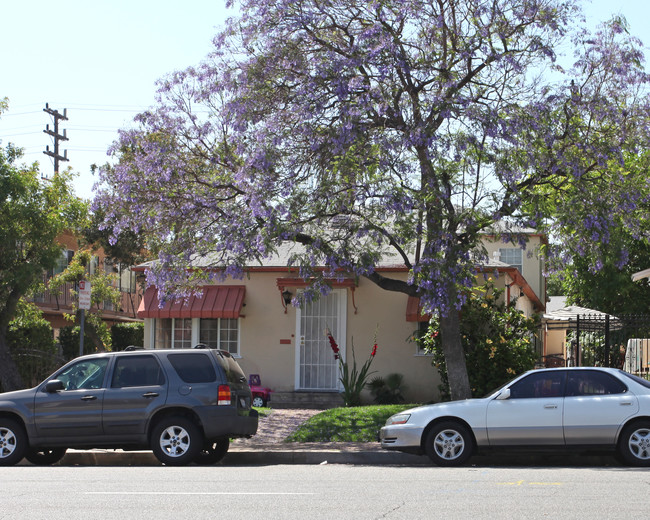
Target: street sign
(84, 295)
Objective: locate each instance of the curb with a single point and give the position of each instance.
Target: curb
(246, 457)
(316, 456)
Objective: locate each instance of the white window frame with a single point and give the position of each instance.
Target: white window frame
(195, 333)
(505, 254)
(237, 353)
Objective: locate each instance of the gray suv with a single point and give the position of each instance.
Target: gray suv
(183, 404)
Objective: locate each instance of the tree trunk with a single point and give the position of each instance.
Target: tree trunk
(452, 347)
(9, 376)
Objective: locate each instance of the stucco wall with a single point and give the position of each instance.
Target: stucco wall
(533, 265)
(268, 336)
(265, 331)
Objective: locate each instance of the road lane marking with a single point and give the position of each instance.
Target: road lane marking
(167, 493)
(524, 483)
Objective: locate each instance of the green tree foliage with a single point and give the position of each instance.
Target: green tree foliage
(126, 334)
(31, 342)
(69, 342)
(102, 289)
(128, 251)
(601, 278)
(497, 340)
(32, 214)
(382, 132)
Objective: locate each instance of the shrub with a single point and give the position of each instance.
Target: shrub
(31, 342)
(388, 390)
(125, 334)
(497, 340)
(69, 342)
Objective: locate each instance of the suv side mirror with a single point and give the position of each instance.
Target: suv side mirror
(54, 386)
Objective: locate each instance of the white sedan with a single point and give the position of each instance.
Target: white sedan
(558, 408)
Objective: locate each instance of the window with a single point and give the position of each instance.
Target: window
(173, 333)
(182, 333)
(87, 374)
(592, 382)
(419, 335)
(163, 338)
(137, 371)
(221, 333)
(512, 256)
(193, 368)
(63, 261)
(539, 385)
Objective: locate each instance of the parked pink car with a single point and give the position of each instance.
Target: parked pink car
(261, 395)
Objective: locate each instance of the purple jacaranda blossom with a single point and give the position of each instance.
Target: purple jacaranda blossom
(372, 132)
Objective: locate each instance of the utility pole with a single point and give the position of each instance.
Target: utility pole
(56, 136)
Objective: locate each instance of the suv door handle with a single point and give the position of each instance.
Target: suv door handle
(89, 398)
(149, 395)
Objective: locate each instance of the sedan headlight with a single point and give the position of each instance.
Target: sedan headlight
(400, 418)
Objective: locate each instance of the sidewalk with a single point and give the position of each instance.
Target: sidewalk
(267, 448)
(260, 455)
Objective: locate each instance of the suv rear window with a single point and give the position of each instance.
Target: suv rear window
(233, 371)
(193, 368)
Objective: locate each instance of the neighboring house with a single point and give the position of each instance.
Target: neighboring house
(54, 305)
(254, 320)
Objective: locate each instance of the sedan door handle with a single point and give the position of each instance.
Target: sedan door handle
(89, 398)
(550, 406)
(626, 403)
(149, 395)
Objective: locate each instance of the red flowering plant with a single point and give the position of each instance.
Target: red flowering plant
(354, 380)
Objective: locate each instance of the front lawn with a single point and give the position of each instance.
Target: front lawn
(355, 424)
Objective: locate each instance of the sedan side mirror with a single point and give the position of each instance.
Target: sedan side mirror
(54, 386)
(505, 394)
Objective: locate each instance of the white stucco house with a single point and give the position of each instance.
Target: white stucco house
(286, 345)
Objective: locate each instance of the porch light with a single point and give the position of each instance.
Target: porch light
(286, 299)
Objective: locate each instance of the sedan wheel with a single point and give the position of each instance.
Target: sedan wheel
(449, 444)
(13, 442)
(634, 445)
(176, 441)
(44, 456)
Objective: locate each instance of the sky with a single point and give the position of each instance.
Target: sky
(100, 60)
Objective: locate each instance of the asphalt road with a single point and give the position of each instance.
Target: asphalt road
(323, 491)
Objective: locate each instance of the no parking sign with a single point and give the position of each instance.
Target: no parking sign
(84, 295)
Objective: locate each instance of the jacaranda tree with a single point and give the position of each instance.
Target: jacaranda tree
(359, 129)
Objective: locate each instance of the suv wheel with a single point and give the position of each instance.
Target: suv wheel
(13, 442)
(45, 456)
(176, 441)
(213, 452)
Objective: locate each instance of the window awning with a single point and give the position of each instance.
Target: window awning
(215, 301)
(414, 310)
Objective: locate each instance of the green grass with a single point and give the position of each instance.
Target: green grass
(355, 424)
(263, 412)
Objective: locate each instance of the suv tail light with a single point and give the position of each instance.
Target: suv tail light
(224, 396)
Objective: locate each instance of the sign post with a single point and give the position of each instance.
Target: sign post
(84, 304)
